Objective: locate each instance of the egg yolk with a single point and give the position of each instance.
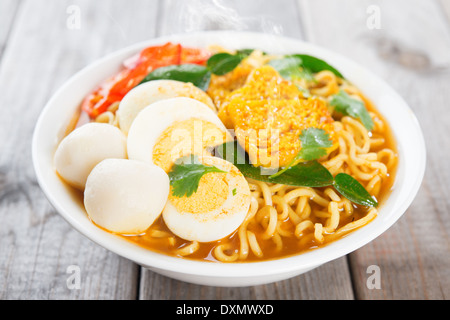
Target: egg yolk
(211, 194)
(182, 138)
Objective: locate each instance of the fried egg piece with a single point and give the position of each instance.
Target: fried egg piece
(125, 196)
(144, 94)
(216, 210)
(269, 113)
(169, 129)
(82, 149)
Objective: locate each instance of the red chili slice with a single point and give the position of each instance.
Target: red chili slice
(135, 69)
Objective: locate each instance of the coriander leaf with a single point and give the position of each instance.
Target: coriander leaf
(347, 105)
(185, 175)
(316, 65)
(350, 188)
(196, 74)
(304, 174)
(314, 142)
(291, 67)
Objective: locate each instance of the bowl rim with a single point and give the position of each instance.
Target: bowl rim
(147, 258)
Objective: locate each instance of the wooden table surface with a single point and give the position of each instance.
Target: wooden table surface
(44, 42)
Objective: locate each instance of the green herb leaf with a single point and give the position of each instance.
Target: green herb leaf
(245, 52)
(316, 65)
(350, 188)
(291, 67)
(185, 175)
(304, 174)
(223, 62)
(347, 105)
(196, 74)
(301, 66)
(314, 142)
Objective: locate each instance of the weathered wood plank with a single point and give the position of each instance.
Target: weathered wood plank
(445, 4)
(38, 248)
(410, 51)
(328, 282)
(8, 11)
(274, 17)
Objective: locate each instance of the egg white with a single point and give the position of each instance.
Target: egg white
(81, 150)
(151, 122)
(125, 196)
(144, 94)
(219, 222)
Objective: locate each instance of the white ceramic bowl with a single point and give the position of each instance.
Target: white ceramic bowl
(62, 105)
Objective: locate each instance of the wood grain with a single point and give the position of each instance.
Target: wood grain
(37, 245)
(330, 281)
(8, 11)
(445, 5)
(412, 54)
(40, 48)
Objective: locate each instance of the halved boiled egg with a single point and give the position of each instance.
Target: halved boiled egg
(169, 129)
(125, 196)
(143, 95)
(215, 210)
(81, 150)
